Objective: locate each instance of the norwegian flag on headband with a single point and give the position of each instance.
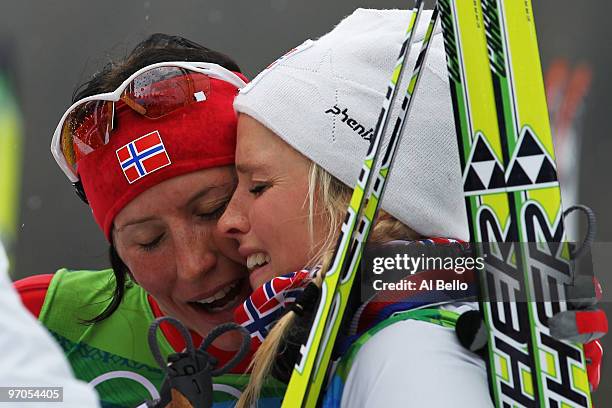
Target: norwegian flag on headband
(268, 302)
(143, 156)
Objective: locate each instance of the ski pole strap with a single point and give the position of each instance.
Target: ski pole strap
(152, 338)
(239, 356)
(189, 373)
(591, 230)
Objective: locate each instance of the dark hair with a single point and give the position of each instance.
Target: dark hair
(154, 49)
(157, 48)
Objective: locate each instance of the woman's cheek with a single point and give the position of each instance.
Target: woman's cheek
(155, 287)
(228, 247)
(153, 275)
(261, 221)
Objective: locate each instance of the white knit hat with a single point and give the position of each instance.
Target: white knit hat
(324, 97)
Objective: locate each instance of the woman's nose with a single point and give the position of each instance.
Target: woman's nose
(195, 255)
(233, 222)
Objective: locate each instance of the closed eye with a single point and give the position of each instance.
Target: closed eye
(259, 188)
(151, 245)
(216, 213)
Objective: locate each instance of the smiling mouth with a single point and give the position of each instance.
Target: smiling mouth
(257, 260)
(223, 299)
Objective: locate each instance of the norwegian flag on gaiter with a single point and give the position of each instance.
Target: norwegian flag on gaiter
(268, 302)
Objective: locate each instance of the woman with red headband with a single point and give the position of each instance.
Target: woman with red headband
(149, 145)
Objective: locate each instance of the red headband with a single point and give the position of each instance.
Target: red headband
(144, 152)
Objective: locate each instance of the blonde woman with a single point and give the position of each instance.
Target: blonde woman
(303, 129)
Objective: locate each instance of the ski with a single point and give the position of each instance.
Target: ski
(513, 201)
(309, 373)
(372, 204)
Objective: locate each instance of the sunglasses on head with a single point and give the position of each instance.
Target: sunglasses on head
(153, 92)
